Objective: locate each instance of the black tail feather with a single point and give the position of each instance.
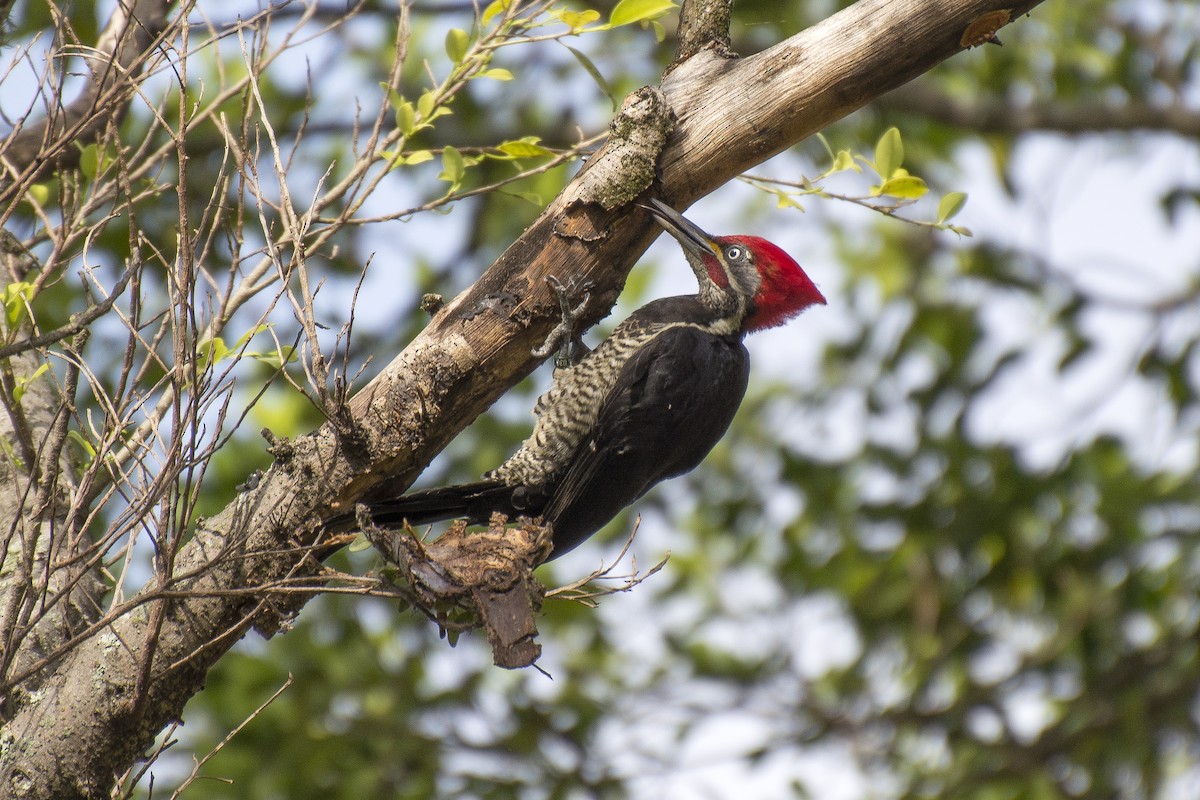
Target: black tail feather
(474, 501)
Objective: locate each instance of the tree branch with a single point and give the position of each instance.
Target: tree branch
(730, 115)
(703, 24)
(993, 116)
(116, 59)
(735, 114)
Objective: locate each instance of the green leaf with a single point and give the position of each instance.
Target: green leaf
(16, 299)
(394, 97)
(23, 383)
(453, 166)
(217, 350)
(81, 440)
(907, 187)
(525, 147)
(245, 338)
(843, 161)
(95, 160)
(277, 358)
(11, 455)
(457, 42)
(497, 7)
(592, 70)
(577, 20)
(825, 143)
(406, 117)
(889, 153)
(398, 159)
(785, 200)
(425, 104)
(950, 205)
(497, 73)
(89, 161)
(38, 193)
(627, 12)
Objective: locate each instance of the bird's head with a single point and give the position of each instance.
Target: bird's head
(742, 276)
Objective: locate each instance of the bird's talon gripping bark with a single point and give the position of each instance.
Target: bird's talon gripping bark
(564, 337)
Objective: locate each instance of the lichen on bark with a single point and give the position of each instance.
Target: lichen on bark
(625, 167)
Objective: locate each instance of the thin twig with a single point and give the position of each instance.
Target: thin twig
(229, 737)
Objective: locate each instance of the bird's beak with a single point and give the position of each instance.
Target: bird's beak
(690, 236)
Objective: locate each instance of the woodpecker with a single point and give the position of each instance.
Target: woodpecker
(647, 404)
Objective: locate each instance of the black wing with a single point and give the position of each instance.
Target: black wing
(672, 402)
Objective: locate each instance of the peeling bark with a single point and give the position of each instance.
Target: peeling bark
(630, 159)
(465, 581)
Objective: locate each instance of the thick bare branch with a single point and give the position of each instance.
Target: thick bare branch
(735, 114)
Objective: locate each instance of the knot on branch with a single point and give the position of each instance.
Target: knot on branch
(463, 581)
(622, 169)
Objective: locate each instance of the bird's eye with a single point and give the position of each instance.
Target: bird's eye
(734, 253)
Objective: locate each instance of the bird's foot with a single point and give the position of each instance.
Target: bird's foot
(565, 338)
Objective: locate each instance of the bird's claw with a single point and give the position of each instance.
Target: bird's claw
(570, 314)
(564, 337)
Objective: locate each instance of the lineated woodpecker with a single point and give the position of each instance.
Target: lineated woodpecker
(648, 403)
